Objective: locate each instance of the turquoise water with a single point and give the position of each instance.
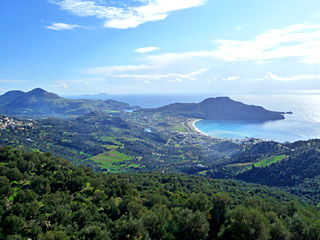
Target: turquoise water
(303, 124)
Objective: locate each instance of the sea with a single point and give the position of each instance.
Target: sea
(303, 124)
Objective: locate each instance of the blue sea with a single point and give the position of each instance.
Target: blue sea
(303, 124)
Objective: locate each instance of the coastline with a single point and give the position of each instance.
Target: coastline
(190, 124)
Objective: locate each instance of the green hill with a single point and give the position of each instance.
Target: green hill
(293, 166)
(220, 108)
(45, 197)
(39, 103)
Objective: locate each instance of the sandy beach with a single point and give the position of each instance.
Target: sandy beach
(190, 124)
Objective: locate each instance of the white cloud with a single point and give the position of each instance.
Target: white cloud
(292, 78)
(163, 76)
(297, 41)
(175, 80)
(61, 85)
(146, 49)
(146, 82)
(125, 16)
(241, 27)
(109, 70)
(83, 81)
(232, 78)
(2, 90)
(62, 26)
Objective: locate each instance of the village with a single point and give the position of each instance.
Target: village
(7, 122)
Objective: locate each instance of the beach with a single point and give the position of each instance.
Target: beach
(190, 124)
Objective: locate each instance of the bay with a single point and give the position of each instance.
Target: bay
(303, 124)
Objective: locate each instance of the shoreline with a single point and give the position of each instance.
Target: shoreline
(190, 124)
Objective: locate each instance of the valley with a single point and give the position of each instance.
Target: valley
(153, 140)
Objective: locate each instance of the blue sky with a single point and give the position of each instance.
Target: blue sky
(159, 46)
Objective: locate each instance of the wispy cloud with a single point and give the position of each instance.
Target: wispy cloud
(292, 78)
(61, 85)
(241, 27)
(175, 80)
(62, 26)
(109, 70)
(170, 76)
(12, 81)
(123, 16)
(79, 81)
(146, 49)
(232, 78)
(295, 41)
(298, 41)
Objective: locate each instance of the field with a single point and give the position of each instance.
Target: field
(268, 161)
(114, 161)
(259, 164)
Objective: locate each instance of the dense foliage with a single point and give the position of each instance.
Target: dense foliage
(292, 166)
(46, 197)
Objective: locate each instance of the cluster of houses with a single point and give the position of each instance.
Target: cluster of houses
(7, 122)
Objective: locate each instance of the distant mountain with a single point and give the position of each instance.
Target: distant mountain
(220, 108)
(120, 106)
(40, 103)
(10, 96)
(100, 96)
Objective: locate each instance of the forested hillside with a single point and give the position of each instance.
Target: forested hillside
(46, 197)
(38, 103)
(292, 166)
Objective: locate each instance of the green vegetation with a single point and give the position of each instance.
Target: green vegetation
(82, 138)
(295, 167)
(219, 108)
(46, 197)
(180, 128)
(39, 103)
(268, 161)
(113, 161)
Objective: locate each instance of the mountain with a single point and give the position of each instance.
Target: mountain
(10, 96)
(120, 106)
(39, 103)
(100, 96)
(219, 108)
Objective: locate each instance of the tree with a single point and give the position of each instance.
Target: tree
(279, 231)
(245, 224)
(221, 204)
(189, 225)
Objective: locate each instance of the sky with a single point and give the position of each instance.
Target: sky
(74, 47)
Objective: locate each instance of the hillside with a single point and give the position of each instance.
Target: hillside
(45, 197)
(39, 103)
(220, 109)
(293, 166)
(94, 139)
(110, 144)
